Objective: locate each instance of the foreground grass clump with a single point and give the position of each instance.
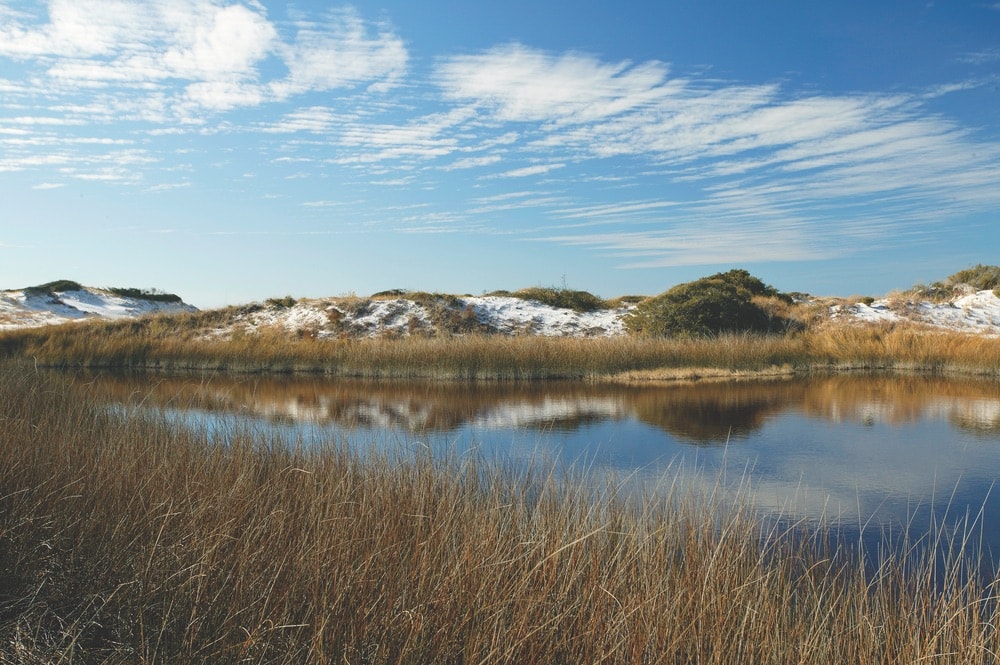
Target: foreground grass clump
(126, 538)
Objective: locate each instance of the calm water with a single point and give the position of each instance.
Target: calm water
(874, 451)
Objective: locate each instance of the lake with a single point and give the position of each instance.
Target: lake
(867, 452)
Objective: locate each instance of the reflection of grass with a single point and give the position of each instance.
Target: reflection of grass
(178, 341)
(128, 539)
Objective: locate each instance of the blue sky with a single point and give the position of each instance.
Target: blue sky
(232, 151)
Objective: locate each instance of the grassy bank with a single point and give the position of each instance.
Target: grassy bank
(128, 539)
(178, 342)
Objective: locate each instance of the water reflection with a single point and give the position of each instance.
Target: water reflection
(862, 449)
(700, 413)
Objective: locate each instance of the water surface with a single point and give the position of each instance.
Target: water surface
(873, 452)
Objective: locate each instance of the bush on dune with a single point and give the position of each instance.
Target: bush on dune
(733, 301)
(579, 301)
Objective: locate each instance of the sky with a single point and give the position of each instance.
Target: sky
(231, 151)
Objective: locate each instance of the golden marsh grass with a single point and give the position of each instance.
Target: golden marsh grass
(127, 538)
(177, 342)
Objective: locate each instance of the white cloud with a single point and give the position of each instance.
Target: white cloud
(746, 170)
(524, 172)
(79, 28)
(341, 53)
(166, 187)
(704, 244)
(610, 210)
(13, 163)
(315, 119)
(983, 57)
(472, 162)
(198, 53)
(527, 85)
(218, 43)
(220, 96)
(426, 137)
(323, 204)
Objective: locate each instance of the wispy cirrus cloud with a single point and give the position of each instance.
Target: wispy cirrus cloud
(160, 68)
(340, 52)
(630, 158)
(527, 171)
(766, 174)
(200, 54)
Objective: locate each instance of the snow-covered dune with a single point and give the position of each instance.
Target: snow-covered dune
(975, 312)
(39, 306)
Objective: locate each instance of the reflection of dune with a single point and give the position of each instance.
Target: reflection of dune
(715, 412)
(977, 415)
(897, 400)
(695, 413)
(418, 407)
(553, 411)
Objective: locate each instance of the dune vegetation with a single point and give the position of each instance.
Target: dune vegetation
(172, 342)
(728, 324)
(125, 537)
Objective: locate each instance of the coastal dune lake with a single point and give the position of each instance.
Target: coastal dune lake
(869, 453)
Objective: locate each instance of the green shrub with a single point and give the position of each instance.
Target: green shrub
(724, 302)
(979, 277)
(144, 294)
(579, 301)
(390, 293)
(281, 303)
(50, 288)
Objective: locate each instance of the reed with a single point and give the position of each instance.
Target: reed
(180, 342)
(127, 538)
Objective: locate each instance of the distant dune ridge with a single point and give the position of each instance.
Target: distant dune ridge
(402, 312)
(63, 301)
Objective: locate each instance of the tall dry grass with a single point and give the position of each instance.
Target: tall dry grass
(178, 342)
(126, 538)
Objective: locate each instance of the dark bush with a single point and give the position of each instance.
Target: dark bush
(281, 303)
(144, 294)
(724, 302)
(979, 277)
(58, 286)
(391, 293)
(580, 301)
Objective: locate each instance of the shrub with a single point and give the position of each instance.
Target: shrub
(979, 277)
(144, 294)
(580, 301)
(281, 303)
(733, 301)
(390, 293)
(58, 286)
(976, 278)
